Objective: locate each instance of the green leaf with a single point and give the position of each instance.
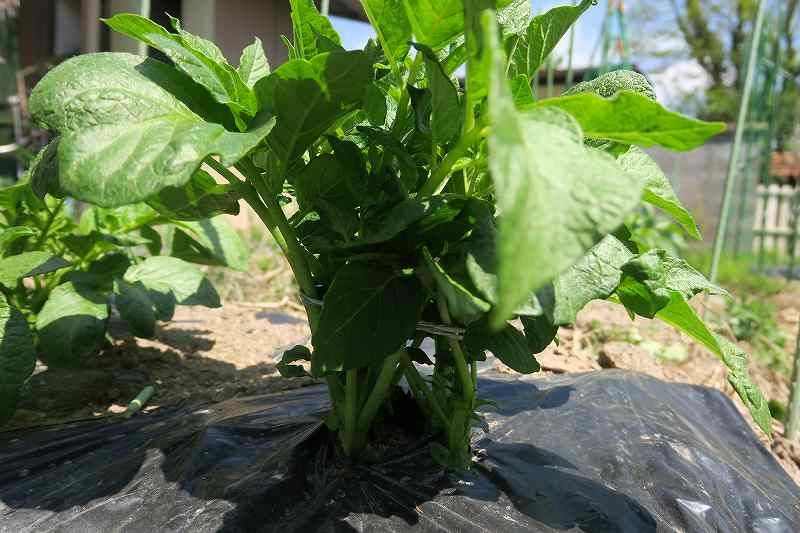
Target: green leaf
(368, 314)
(595, 276)
(136, 308)
(253, 64)
(293, 354)
(463, 306)
(680, 315)
(539, 332)
(521, 90)
(477, 55)
(43, 171)
(610, 83)
(446, 112)
(388, 18)
(515, 17)
(309, 27)
(307, 97)
(632, 118)
(657, 188)
(545, 31)
(123, 136)
(508, 344)
(71, 325)
(661, 272)
(186, 281)
(375, 105)
(435, 22)
(201, 197)
(197, 57)
(16, 267)
(9, 236)
(211, 241)
(538, 161)
(17, 356)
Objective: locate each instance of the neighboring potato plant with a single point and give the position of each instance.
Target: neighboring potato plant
(424, 208)
(59, 273)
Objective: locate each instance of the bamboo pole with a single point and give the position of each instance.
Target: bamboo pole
(732, 175)
(144, 10)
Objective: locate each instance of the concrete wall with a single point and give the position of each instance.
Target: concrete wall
(698, 177)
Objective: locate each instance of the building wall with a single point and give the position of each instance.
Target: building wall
(238, 21)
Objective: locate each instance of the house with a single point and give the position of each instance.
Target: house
(48, 29)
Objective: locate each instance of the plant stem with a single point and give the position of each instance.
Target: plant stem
(350, 413)
(51, 217)
(269, 211)
(377, 395)
(464, 375)
(415, 381)
(439, 177)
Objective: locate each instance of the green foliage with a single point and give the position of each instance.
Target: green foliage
(753, 320)
(423, 208)
(60, 273)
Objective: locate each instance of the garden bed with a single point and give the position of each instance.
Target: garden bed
(211, 355)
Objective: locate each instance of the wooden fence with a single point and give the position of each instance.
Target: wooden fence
(774, 220)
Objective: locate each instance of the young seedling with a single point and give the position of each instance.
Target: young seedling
(60, 271)
(421, 206)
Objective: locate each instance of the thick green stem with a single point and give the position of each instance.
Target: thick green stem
(416, 382)
(378, 394)
(269, 211)
(350, 422)
(463, 371)
(440, 175)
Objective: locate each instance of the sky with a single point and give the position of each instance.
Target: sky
(355, 34)
(669, 84)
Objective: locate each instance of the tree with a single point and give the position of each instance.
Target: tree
(714, 34)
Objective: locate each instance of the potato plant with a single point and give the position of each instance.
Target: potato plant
(408, 203)
(59, 272)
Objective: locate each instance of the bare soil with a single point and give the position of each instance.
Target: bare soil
(209, 355)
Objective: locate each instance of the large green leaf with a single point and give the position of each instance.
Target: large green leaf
(136, 308)
(596, 275)
(312, 31)
(435, 22)
(9, 236)
(661, 275)
(17, 356)
(307, 96)
(539, 332)
(508, 344)
(16, 267)
(368, 314)
(197, 57)
(186, 281)
(123, 136)
(253, 64)
(388, 18)
(43, 171)
(71, 325)
(530, 50)
(556, 198)
(679, 314)
(610, 83)
(200, 197)
(463, 306)
(657, 188)
(446, 112)
(211, 241)
(632, 118)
